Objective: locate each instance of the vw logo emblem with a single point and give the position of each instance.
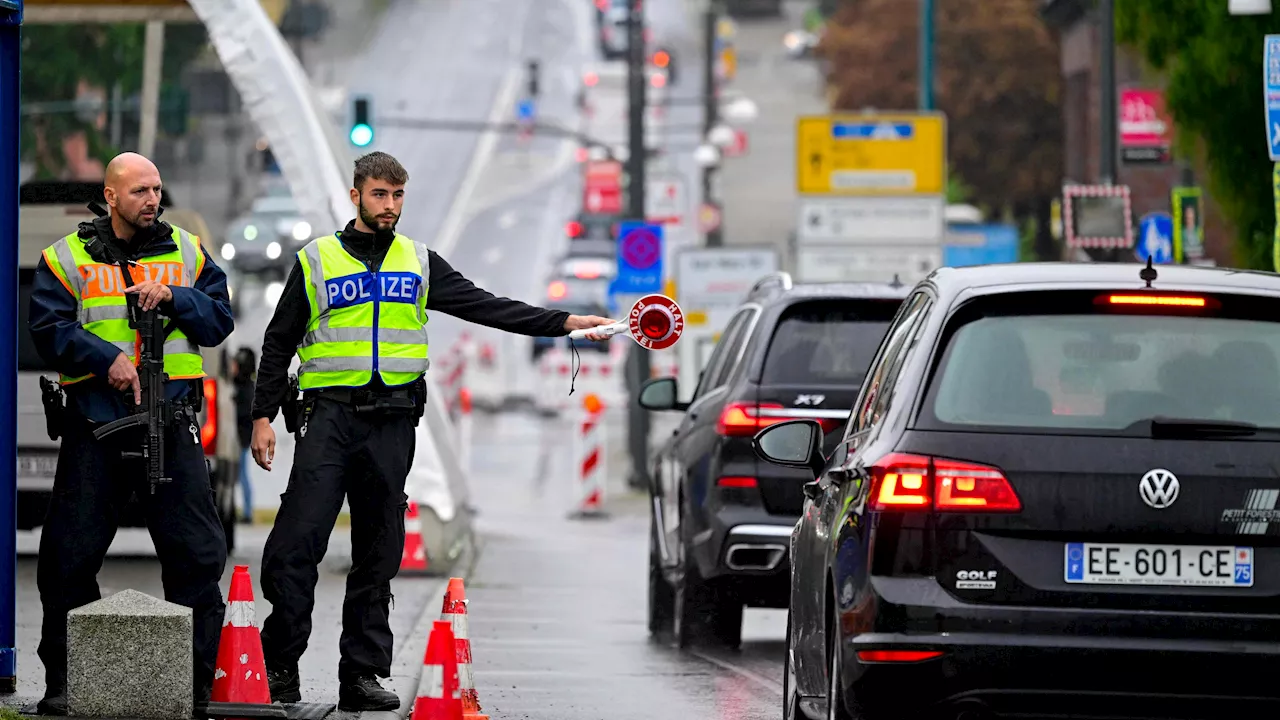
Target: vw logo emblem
(1159, 488)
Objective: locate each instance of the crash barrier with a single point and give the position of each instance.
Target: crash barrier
(599, 374)
(108, 677)
(437, 482)
(451, 371)
(590, 459)
(446, 688)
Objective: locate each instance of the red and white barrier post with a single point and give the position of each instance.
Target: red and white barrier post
(589, 458)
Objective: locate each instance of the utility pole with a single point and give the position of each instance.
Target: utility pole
(1107, 73)
(711, 110)
(637, 358)
(926, 55)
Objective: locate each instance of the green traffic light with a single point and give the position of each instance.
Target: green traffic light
(361, 135)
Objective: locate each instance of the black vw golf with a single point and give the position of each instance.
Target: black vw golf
(1056, 496)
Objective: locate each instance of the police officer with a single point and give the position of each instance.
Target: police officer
(79, 323)
(354, 310)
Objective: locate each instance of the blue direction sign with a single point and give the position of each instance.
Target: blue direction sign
(1155, 238)
(639, 258)
(1271, 94)
(525, 110)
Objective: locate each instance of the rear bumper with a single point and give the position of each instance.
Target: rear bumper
(752, 545)
(1054, 662)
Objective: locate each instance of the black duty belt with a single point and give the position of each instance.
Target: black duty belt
(369, 400)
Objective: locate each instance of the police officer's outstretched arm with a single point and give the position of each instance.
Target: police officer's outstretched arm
(452, 294)
(65, 345)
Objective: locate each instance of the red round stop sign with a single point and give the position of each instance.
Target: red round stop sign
(656, 322)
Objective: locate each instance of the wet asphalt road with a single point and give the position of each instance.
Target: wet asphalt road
(557, 606)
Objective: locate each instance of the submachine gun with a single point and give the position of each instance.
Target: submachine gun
(154, 412)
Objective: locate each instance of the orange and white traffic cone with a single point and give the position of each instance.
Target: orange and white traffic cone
(413, 560)
(240, 675)
(438, 688)
(455, 613)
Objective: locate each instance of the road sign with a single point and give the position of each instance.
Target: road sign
(639, 258)
(1271, 90)
(873, 264)
(713, 282)
(1146, 128)
(1155, 238)
(526, 110)
(900, 154)
(656, 322)
(1097, 216)
(667, 199)
(871, 220)
(602, 187)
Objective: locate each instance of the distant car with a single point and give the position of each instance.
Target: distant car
(593, 226)
(265, 239)
(543, 344)
(1055, 496)
(720, 518)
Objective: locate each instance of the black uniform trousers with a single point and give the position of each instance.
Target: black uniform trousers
(364, 456)
(92, 484)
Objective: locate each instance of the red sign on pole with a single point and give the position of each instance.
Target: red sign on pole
(602, 187)
(1146, 129)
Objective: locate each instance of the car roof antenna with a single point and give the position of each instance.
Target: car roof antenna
(897, 281)
(1148, 273)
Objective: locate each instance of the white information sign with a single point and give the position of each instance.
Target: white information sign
(862, 263)
(667, 199)
(871, 220)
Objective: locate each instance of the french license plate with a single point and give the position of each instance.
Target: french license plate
(37, 465)
(1130, 564)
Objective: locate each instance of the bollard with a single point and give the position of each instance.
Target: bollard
(589, 458)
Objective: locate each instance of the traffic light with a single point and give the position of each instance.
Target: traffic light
(532, 67)
(361, 124)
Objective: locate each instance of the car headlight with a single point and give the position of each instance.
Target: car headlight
(250, 232)
(273, 250)
(302, 230)
(228, 251)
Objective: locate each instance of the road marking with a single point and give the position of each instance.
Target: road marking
(452, 228)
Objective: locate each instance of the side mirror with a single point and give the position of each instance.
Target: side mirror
(661, 394)
(795, 443)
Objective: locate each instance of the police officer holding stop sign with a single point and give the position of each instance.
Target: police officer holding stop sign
(354, 310)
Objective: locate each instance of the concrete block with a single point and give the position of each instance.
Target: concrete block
(129, 656)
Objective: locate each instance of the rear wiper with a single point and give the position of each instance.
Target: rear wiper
(1164, 427)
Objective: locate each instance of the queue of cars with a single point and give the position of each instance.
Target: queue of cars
(1052, 493)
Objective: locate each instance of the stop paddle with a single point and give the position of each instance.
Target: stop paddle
(655, 323)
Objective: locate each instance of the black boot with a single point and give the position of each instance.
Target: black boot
(54, 703)
(363, 692)
(284, 684)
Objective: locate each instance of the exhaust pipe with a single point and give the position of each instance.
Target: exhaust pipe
(743, 556)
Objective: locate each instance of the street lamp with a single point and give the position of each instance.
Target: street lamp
(1249, 7)
(707, 155)
(740, 110)
(722, 136)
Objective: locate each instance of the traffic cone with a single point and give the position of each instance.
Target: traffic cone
(240, 675)
(438, 688)
(455, 613)
(414, 558)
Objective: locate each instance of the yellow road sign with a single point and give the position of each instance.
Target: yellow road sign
(872, 154)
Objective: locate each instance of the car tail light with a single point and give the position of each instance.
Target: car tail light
(739, 419)
(897, 656)
(916, 482)
(733, 481)
(557, 290)
(209, 430)
(573, 229)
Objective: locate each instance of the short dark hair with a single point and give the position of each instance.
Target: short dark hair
(379, 166)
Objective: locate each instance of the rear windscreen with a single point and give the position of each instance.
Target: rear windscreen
(827, 343)
(28, 359)
(1085, 362)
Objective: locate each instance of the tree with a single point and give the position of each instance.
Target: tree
(1212, 62)
(59, 61)
(998, 79)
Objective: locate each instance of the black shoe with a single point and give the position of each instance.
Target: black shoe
(365, 693)
(52, 705)
(284, 685)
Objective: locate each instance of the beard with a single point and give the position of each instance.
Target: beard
(142, 227)
(378, 225)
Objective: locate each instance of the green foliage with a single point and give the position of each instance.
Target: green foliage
(57, 58)
(1213, 63)
(957, 190)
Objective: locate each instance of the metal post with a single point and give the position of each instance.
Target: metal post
(10, 78)
(926, 54)
(153, 54)
(1107, 72)
(637, 359)
(711, 111)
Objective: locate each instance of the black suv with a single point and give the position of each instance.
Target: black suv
(721, 518)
